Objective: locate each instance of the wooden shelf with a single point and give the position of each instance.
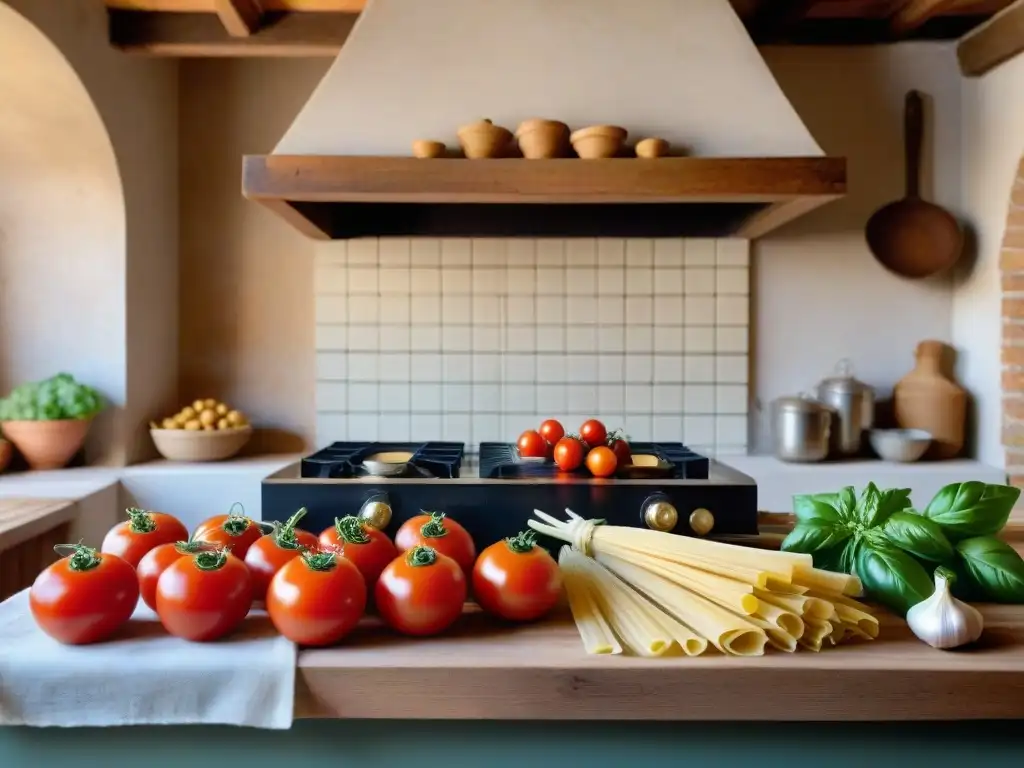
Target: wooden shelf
(332, 197)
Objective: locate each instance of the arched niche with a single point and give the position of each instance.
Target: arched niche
(62, 227)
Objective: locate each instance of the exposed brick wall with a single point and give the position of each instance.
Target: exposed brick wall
(1011, 264)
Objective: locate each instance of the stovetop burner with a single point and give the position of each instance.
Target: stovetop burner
(345, 460)
(501, 460)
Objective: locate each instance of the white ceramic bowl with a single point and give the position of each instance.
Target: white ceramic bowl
(903, 445)
(199, 445)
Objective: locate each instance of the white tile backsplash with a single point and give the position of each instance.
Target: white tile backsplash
(478, 339)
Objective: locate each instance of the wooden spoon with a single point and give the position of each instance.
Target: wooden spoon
(912, 237)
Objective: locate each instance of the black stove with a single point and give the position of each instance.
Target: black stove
(494, 492)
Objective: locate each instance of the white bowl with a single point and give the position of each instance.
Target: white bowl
(902, 445)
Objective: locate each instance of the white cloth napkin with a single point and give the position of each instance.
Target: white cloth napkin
(143, 676)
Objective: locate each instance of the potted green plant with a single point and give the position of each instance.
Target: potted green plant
(47, 421)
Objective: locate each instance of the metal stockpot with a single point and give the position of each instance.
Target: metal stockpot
(854, 404)
(800, 428)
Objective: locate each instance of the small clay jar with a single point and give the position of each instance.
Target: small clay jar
(928, 399)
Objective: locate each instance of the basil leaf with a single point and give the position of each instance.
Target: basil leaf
(995, 568)
(812, 535)
(848, 558)
(918, 535)
(876, 506)
(846, 503)
(818, 506)
(972, 508)
(892, 577)
(840, 558)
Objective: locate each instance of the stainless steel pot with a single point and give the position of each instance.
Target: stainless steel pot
(801, 428)
(854, 404)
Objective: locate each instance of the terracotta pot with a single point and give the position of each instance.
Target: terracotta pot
(927, 399)
(47, 444)
(6, 454)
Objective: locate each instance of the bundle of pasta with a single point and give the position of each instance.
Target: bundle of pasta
(652, 592)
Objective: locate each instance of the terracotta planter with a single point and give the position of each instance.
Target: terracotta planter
(47, 444)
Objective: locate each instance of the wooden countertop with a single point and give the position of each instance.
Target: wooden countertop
(484, 670)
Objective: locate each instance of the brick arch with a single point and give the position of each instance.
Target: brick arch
(1012, 273)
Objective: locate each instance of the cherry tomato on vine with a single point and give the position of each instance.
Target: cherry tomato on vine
(517, 580)
(235, 531)
(569, 453)
(141, 532)
(85, 597)
(532, 445)
(593, 433)
(368, 548)
(270, 552)
(204, 596)
(601, 461)
(157, 560)
(421, 592)
(440, 533)
(552, 431)
(619, 444)
(316, 598)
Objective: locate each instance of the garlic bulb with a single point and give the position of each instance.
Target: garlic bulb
(941, 620)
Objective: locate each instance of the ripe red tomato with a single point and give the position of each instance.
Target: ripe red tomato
(515, 579)
(440, 533)
(270, 552)
(142, 531)
(569, 453)
(85, 597)
(593, 433)
(601, 461)
(619, 444)
(532, 445)
(367, 547)
(552, 431)
(204, 596)
(234, 530)
(421, 592)
(157, 560)
(316, 598)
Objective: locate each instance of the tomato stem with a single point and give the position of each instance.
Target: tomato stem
(141, 520)
(284, 535)
(192, 546)
(82, 558)
(320, 561)
(211, 560)
(237, 523)
(521, 543)
(351, 530)
(420, 556)
(435, 528)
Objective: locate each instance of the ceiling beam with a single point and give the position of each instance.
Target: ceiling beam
(914, 14)
(773, 18)
(202, 34)
(240, 17)
(996, 41)
(268, 6)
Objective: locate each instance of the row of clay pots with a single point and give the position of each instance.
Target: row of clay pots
(540, 139)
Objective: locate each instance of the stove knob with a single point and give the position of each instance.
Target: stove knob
(376, 513)
(661, 516)
(702, 521)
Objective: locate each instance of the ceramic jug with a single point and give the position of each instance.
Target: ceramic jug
(928, 399)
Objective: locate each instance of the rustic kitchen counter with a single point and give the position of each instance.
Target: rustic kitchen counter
(541, 672)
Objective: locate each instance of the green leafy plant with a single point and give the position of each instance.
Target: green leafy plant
(893, 548)
(56, 398)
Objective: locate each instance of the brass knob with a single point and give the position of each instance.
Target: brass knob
(376, 512)
(661, 516)
(701, 521)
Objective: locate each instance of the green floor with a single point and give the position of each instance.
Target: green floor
(371, 744)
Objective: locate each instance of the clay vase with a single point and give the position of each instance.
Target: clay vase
(47, 444)
(928, 399)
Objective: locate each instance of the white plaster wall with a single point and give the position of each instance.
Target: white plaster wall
(993, 142)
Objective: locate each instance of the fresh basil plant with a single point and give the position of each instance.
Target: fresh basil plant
(894, 549)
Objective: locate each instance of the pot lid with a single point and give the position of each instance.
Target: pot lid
(843, 381)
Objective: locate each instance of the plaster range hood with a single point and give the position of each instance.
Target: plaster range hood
(685, 71)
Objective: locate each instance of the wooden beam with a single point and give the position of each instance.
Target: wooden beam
(996, 41)
(914, 14)
(202, 34)
(240, 17)
(268, 6)
(774, 17)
